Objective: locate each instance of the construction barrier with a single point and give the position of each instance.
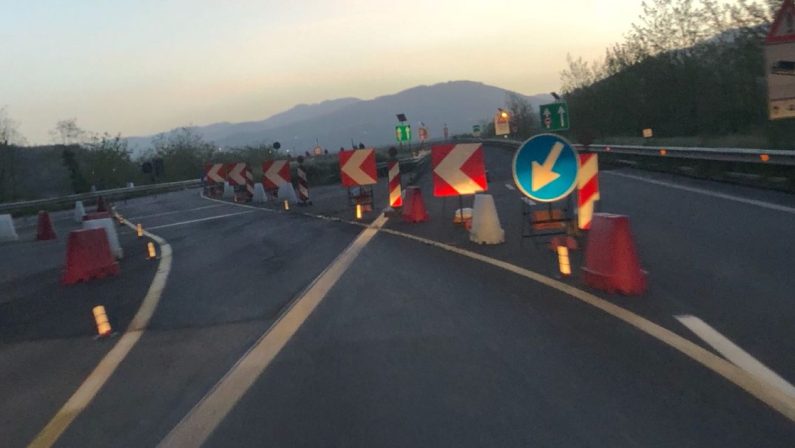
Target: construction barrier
(110, 232)
(611, 260)
(259, 194)
(303, 186)
(287, 193)
(395, 195)
(44, 229)
(7, 230)
(587, 189)
(88, 257)
(486, 228)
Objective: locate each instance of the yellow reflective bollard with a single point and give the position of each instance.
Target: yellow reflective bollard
(101, 318)
(563, 260)
(286, 204)
(358, 211)
(139, 230)
(152, 253)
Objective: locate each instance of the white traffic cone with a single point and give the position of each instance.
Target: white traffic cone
(486, 227)
(110, 231)
(80, 211)
(287, 193)
(7, 230)
(259, 193)
(229, 192)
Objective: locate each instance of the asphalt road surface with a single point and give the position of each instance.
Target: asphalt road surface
(301, 328)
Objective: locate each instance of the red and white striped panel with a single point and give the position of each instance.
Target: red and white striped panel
(587, 189)
(249, 181)
(303, 185)
(275, 173)
(214, 173)
(236, 173)
(395, 196)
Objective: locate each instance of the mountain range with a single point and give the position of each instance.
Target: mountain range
(339, 122)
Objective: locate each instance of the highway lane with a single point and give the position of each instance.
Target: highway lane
(725, 261)
(419, 347)
(422, 347)
(230, 279)
(46, 329)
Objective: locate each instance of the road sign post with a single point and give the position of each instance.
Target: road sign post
(555, 116)
(780, 63)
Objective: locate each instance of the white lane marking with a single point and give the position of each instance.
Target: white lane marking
(103, 371)
(510, 187)
(192, 221)
(735, 354)
(197, 426)
(767, 205)
(174, 212)
(748, 382)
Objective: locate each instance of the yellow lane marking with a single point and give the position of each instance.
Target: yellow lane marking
(103, 371)
(197, 426)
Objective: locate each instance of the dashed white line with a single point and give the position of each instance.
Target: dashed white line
(192, 221)
(510, 187)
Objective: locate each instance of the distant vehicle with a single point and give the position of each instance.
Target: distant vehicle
(783, 68)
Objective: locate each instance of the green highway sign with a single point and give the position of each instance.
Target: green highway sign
(403, 132)
(555, 116)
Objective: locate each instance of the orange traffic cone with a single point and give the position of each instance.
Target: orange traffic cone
(45, 230)
(611, 261)
(414, 206)
(88, 256)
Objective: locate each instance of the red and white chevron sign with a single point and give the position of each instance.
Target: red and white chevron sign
(587, 189)
(395, 195)
(357, 167)
(275, 173)
(458, 169)
(215, 173)
(249, 181)
(236, 173)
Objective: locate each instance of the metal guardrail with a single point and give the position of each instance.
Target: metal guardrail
(115, 193)
(766, 156)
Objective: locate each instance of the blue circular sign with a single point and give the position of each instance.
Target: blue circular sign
(545, 168)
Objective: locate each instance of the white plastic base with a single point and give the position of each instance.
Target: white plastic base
(486, 228)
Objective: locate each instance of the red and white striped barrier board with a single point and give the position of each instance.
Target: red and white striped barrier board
(236, 173)
(249, 181)
(275, 173)
(587, 189)
(215, 173)
(303, 185)
(357, 167)
(458, 169)
(395, 195)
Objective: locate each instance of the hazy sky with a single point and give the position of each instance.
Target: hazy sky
(145, 66)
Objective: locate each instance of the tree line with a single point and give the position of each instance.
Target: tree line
(686, 68)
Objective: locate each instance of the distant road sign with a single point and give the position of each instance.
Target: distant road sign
(555, 116)
(423, 134)
(502, 125)
(780, 63)
(403, 132)
(476, 130)
(545, 168)
(357, 167)
(458, 169)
